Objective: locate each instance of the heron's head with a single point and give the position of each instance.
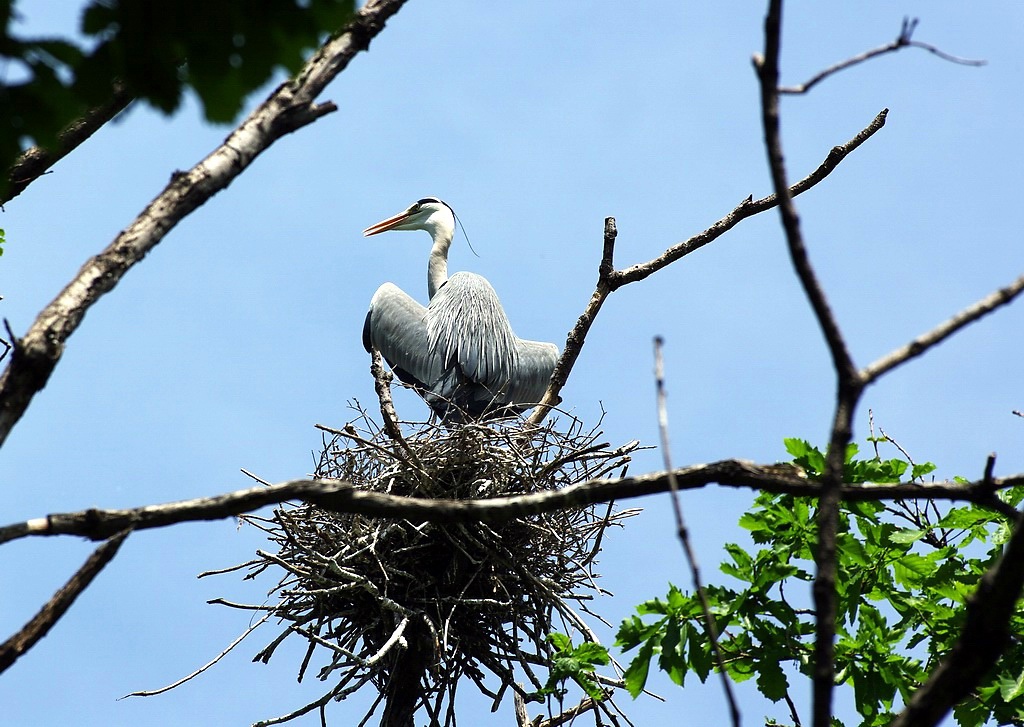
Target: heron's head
(429, 213)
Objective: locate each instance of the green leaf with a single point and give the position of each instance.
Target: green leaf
(673, 652)
(633, 631)
(796, 447)
(652, 606)
(921, 469)
(771, 680)
(560, 641)
(965, 518)
(1010, 688)
(701, 658)
(907, 536)
(806, 456)
(636, 673)
(910, 569)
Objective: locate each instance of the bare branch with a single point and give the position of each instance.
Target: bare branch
(42, 622)
(903, 40)
(684, 535)
(849, 386)
(290, 107)
(339, 496)
(941, 332)
(569, 716)
(578, 335)
(610, 279)
(748, 208)
(227, 650)
(984, 637)
(36, 161)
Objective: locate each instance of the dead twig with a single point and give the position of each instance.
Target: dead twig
(684, 536)
(610, 279)
(903, 40)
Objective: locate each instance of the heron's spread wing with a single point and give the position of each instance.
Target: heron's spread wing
(536, 363)
(459, 351)
(396, 326)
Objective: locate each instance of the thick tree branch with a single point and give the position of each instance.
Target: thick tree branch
(57, 606)
(339, 496)
(290, 107)
(985, 635)
(903, 40)
(941, 332)
(849, 387)
(36, 161)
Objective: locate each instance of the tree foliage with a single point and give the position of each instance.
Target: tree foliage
(157, 49)
(906, 572)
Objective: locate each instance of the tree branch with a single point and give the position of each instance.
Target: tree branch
(941, 332)
(610, 279)
(57, 606)
(903, 40)
(683, 534)
(290, 107)
(339, 496)
(35, 162)
(748, 208)
(849, 387)
(578, 335)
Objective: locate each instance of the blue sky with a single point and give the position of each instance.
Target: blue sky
(534, 121)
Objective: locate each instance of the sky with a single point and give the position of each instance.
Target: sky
(535, 121)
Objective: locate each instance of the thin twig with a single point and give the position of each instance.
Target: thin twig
(205, 666)
(903, 40)
(683, 533)
(990, 465)
(251, 476)
(578, 335)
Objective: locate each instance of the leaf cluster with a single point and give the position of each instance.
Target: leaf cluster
(577, 663)
(156, 48)
(906, 572)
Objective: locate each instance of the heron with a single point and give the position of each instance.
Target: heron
(459, 352)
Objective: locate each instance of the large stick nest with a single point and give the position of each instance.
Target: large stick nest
(419, 606)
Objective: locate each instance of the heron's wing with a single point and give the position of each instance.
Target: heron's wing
(535, 363)
(396, 326)
(467, 327)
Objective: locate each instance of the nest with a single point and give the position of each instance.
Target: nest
(415, 609)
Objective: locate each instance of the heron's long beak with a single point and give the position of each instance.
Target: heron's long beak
(388, 224)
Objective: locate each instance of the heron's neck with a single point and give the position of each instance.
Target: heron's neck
(437, 266)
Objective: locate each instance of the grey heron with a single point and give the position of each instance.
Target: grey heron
(458, 352)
